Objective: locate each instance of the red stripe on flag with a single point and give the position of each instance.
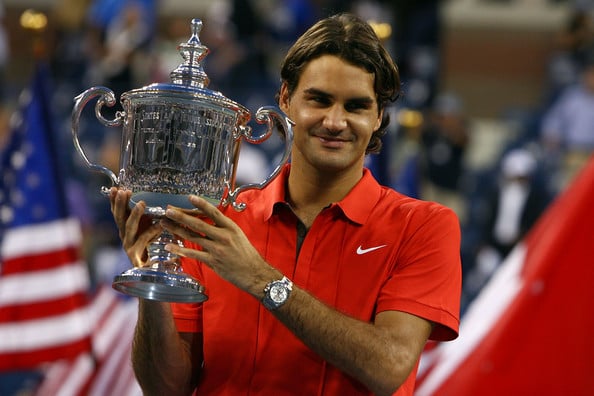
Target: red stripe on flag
(37, 262)
(115, 374)
(42, 278)
(104, 332)
(68, 377)
(24, 360)
(42, 309)
(113, 321)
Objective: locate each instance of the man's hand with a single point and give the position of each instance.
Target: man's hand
(225, 247)
(136, 230)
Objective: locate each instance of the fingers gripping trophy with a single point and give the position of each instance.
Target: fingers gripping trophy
(178, 138)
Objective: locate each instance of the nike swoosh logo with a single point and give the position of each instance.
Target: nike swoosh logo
(360, 249)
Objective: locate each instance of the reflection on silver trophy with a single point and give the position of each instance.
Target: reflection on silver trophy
(179, 138)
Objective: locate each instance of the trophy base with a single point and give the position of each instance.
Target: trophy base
(157, 285)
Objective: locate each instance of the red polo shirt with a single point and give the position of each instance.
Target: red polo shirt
(375, 250)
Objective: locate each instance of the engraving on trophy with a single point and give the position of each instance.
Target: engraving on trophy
(179, 150)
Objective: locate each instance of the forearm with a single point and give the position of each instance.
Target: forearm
(161, 359)
(359, 349)
(376, 354)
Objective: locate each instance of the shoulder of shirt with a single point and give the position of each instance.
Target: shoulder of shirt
(405, 205)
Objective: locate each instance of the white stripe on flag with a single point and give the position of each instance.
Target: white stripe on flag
(43, 333)
(481, 316)
(116, 369)
(133, 389)
(127, 383)
(41, 238)
(100, 304)
(113, 321)
(78, 376)
(110, 330)
(44, 285)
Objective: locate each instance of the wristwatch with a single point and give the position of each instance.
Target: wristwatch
(276, 293)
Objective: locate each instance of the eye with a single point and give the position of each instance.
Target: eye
(355, 106)
(322, 100)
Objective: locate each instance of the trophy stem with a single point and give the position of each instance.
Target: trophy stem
(162, 280)
(161, 259)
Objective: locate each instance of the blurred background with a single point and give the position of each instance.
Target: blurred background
(495, 119)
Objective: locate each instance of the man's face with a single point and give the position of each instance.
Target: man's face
(335, 113)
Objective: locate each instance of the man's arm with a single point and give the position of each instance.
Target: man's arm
(165, 362)
(380, 355)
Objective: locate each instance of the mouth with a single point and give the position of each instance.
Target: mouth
(331, 142)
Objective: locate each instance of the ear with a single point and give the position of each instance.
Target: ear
(379, 120)
(284, 99)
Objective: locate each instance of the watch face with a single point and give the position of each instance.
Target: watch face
(278, 293)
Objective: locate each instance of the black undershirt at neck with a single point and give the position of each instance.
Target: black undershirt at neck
(301, 232)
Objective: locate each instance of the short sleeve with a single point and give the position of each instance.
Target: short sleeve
(427, 278)
(188, 316)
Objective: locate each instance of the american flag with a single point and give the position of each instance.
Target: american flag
(107, 370)
(49, 320)
(43, 281)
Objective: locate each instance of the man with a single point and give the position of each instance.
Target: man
(328, 283)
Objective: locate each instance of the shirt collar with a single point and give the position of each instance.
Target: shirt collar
(359, 202)
(356, 205)
(277, 189)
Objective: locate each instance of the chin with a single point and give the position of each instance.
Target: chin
(329, 164)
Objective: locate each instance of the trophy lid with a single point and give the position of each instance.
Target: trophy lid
(190, 72)
(189, 80)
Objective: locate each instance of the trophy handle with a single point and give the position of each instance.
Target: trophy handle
(273, 117)
(107, 97)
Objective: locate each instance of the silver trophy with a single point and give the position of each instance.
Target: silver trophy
(179, 138)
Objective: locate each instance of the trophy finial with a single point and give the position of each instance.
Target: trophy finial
(191, 72)
(196, 25)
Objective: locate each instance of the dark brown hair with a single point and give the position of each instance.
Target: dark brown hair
(354, 41)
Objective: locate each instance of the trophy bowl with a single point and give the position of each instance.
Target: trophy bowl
(178, 139)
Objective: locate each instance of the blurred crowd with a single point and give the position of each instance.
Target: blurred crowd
(126, 44)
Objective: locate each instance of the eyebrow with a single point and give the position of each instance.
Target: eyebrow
(363, 100)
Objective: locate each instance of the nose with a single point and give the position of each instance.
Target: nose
(335, 119)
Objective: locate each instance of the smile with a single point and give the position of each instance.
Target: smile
(332, 142)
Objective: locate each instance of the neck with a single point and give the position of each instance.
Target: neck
(310, 191)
